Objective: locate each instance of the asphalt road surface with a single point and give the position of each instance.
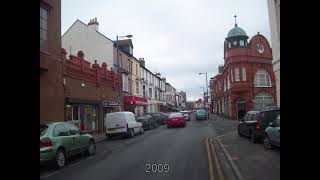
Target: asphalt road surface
(180, 151)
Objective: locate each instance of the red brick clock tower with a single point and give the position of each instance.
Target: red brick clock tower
(247, 77)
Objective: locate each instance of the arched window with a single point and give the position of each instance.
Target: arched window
(228, 81)
(262, 79)
(261, 100)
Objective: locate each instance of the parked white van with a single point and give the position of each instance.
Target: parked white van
(122, 123)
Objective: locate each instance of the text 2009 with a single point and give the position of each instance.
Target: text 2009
(157, 168)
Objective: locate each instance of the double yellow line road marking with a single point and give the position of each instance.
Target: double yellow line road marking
(213, 162)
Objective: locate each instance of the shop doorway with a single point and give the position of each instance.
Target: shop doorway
(106, 110)
(241, 108)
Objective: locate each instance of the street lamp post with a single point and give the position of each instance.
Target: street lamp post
(118, 67)
(206, 80)
(204, 94)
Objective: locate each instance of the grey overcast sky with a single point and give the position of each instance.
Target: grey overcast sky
(177, 38)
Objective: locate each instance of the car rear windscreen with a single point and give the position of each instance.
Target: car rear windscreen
(175, 115)
(201, 112)
(141, 119)
(43, 129)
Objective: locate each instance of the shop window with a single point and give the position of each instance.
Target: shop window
(90, 117)
(72, 114)
(261, 100)
(82, 116)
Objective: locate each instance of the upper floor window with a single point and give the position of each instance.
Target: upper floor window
(120, 60)
(137, 69)
(150, 92)
(229, 44)
(219, 85)
(262, 79)
(43, 28)
(130, 66)
(244, 74)
(228, 81)
(137, 87)
(241, 42)
(237, 74)
(231, 73)
(125, 83)
(144, 91)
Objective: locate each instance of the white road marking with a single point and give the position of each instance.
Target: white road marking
(89, 157)
(231, 133)
(71, 165)
(48, 175)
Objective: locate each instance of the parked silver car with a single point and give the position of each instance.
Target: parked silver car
(272, 134)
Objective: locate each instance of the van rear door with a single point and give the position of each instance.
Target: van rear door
(116, 123)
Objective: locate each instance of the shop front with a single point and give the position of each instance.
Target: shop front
(135, 104)
(108, 107)
(83, 113)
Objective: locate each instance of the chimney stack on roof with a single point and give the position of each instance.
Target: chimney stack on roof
(143, 63)
(158, 75)
(93, 24)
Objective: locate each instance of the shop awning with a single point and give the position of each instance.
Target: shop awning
(135, 100)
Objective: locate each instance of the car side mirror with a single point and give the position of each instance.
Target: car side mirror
(271, 124)
(81, 132)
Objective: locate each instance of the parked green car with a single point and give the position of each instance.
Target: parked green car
(201, 115)
(60, 140)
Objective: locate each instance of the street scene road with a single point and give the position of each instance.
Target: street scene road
(116, 81)
(253, 161)
(182, 150)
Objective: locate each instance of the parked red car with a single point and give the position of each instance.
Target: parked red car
(176, 119)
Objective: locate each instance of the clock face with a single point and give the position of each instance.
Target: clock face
(260, 48)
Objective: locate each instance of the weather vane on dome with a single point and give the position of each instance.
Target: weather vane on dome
(235, 20)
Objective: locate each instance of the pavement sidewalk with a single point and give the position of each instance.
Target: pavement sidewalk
(223, 125)
(99, 137)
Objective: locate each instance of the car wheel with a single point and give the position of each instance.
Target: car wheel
(253, 137)
(266, 143)
(60, 158)
(109, 136)
(131, 133)
(91, 148)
